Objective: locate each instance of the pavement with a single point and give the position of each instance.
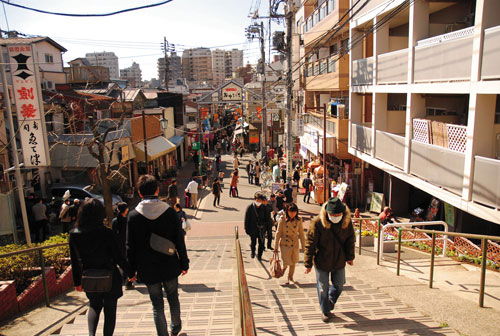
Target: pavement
(375, 301)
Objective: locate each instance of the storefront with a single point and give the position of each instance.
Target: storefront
(161, 154)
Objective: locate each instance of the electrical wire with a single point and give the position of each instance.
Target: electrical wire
(86, 15)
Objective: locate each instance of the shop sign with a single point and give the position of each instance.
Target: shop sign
(231, 92)
(254, 137)
(31, 123)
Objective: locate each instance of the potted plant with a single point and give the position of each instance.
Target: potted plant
(389, 244)
(367, 238)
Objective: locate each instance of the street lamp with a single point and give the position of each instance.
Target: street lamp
(163, 123)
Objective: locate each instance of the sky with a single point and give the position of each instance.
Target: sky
(137, 36)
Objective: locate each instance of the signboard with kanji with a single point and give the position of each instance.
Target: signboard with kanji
(30, 115)
(195, 146)
(231, 92)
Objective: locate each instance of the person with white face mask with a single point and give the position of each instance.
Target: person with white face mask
(257, 223)
(329, 246)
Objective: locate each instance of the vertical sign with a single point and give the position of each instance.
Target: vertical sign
(30, 117)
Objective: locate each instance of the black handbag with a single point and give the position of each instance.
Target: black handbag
(95, 280)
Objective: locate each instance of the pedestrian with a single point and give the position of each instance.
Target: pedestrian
(64, 215)
(236, 163)
(221, 179)
(182, 217)
(329, 246)
(296, 176)
(93, 246)
(280, 152)
(249, 169)
(216, 190)
(158, 270)
(119, 227)
(192, 189)
(269, 219)
(173, 192)
(283, 173)
(257, 173)
(223, 143)
(276, 173)
(41, 221)
(288, 234)
(217, 159)
(195, 157)
(307, 185)
(73, 211)
(288, 192)
(233, 190)
(256, 223)
(280, 200)
(228, 146)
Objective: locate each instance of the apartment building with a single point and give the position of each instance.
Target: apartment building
(197, 65)
(174, 68)
(132, 74)
(424, 110)
(321, 86)
(224, 63)
(106, 59)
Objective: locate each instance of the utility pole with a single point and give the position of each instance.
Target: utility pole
(165, 43)
(289, 98)
(263, 72)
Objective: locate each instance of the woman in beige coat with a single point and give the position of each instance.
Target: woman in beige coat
(290, 230)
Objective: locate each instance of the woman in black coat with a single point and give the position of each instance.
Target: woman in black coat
(93, 246)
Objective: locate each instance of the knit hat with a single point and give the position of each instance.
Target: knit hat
(335, 206)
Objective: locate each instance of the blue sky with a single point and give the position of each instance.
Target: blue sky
(138, 35)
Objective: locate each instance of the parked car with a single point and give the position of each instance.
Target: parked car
(80, 192)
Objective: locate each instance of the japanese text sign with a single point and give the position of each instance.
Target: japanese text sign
(30, 115)
(231, 92)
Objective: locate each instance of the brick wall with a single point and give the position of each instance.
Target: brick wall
(9, 306)
(35, 294)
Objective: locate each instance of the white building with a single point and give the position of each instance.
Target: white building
(133, 74)
(106, 59)
(425, 107)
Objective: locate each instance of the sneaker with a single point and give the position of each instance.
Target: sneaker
(332, 305)
(253, 255)
(325, 318)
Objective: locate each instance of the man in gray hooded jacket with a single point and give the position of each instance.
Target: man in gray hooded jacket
(154, 268)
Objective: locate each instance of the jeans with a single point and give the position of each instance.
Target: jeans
(156, 296)
(98, 301)
(250, 178)
(327, 293)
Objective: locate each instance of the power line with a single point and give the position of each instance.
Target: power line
(86, 15)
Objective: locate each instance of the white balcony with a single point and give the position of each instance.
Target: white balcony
(392, 68)
(390, 148)
(486, 188)
(361, 138)
(362, 71)
(491, 54)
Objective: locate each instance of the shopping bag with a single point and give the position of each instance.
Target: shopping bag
(275, 268)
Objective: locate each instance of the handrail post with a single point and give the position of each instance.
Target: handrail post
(236, 232)
(44, 278)
(399, 251)
(378, 242)
(360, 235)
(484, 257)
(432, 259)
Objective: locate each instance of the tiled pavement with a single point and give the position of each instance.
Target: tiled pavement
(209, 299)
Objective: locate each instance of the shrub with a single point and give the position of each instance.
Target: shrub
(24, 268)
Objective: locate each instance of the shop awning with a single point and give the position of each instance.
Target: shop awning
(176, 140)
(157, 147)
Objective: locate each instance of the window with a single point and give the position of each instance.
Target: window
(344, 44)
(49, 58)
(334, 49)
(331, 5)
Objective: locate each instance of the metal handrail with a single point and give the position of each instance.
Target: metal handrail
(38, 249)
(361, 231)
(484, 253)
(246, 314)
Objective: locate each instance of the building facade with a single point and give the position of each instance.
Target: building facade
(425, 108)
(106, 59)
(197, 65)
(132, 74)
(174, 68)
(225, 63)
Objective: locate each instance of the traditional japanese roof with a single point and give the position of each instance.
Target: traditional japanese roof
(30, 40)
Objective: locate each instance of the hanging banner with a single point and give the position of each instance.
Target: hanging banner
(27, 96)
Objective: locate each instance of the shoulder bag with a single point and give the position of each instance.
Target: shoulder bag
(161, 244)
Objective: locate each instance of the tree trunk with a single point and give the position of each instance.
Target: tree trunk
(106, 190)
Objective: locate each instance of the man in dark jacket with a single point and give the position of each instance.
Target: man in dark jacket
(330, 245)
(307, 183)
(154, 268)
(257, 221)
(119, 226)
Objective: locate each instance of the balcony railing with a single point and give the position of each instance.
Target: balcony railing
(322, 11)
(361, 138)
(317, 120)
(437, 165)
(486, 187)
(491, 54)
(362, 71)
(393, 67)
(390, 148)
(446, 57)
(322, 66)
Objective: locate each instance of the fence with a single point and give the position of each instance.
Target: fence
(484, 253)
(246, 314)
(41, 260)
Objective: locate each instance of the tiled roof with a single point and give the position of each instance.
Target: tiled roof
(30, 40)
